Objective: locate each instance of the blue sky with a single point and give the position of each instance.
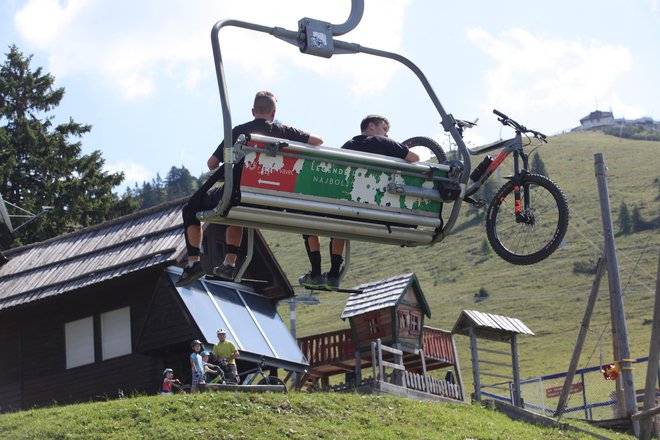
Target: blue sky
(141, 72)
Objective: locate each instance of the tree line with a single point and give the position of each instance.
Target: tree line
(178, 183)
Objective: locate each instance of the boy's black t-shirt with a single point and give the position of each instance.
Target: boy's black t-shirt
(266, 128)
(377, 145)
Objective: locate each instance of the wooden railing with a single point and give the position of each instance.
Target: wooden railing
(328, 347)
(438, 344)
(338, 345)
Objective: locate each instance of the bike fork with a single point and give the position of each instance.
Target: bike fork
(521, 195)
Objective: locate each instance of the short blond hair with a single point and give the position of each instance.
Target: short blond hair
(264, 102)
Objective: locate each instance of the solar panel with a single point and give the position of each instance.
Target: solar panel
(251, 320)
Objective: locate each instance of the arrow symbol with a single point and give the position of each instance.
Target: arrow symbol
(267, 182)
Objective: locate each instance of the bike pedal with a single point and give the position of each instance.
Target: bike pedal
(477, 203)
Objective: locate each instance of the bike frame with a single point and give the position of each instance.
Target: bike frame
(258, 370)
(508, 146)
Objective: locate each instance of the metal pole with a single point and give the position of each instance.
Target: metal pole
(646, 424)
(292, 322)
(292, 318)
(616, 297)
(582, 335)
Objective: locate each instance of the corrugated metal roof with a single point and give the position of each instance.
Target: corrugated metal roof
(92, 255)
(381, 294)
(488, 321)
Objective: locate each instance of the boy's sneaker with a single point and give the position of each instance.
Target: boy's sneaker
(312, 281)
(331, 283)
(224, 271)
(190, 274)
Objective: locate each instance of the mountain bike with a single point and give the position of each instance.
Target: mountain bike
(254, 374)
(528, 217)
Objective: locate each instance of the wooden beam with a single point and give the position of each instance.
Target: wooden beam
(646, 424)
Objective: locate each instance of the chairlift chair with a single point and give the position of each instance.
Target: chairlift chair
(295, 187)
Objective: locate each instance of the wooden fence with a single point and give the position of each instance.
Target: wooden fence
(407, 379)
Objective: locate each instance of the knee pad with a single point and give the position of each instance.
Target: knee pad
(231, 249)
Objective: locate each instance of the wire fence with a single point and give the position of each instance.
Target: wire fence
(591, 396)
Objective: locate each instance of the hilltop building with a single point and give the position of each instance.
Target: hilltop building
(597, 120)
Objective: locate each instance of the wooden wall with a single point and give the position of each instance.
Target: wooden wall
(362, 330)
(33, 353)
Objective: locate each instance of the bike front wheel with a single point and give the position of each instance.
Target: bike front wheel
(533, 234)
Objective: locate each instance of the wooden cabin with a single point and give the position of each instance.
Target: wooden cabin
(89, 313)
(392, 311)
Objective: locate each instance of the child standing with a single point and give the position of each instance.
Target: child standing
(168, 380)
(197, 366)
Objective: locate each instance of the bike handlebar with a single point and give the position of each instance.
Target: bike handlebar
(505, 120)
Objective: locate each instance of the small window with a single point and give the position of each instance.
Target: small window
(374, 324)
(79, 340)
(116, 333)
(403, 319)
(415, 323)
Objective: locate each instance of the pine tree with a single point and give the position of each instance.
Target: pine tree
(40, 166)
(625, 222)
(179, 183)
(638, 222)
(538, 167)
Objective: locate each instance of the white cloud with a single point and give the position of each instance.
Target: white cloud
(133, 172)
(537, 71)
(130, 44)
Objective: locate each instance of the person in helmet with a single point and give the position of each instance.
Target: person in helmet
(210, 370)
(168, 380)
(197, 366)
(226, 353)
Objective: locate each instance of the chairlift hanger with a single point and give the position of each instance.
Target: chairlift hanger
(410, 186)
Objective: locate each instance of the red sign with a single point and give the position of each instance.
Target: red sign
(556, 391)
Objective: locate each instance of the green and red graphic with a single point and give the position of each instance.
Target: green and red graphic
(323, 178)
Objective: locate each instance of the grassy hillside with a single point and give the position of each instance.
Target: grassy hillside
(275, 416)
(548, 297)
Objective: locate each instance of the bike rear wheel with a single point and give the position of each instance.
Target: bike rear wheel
(422, 141)
(272, 380)
(543, 225)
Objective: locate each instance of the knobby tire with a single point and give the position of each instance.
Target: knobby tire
(272, 380)
(527, 243)
(422, 141)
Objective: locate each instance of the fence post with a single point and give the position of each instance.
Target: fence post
(374, 364)
(424, 376)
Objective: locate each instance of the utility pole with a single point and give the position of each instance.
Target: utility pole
(619, 330)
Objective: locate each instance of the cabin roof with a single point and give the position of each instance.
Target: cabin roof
(489, 323)
(144, 239)
(383, 294)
